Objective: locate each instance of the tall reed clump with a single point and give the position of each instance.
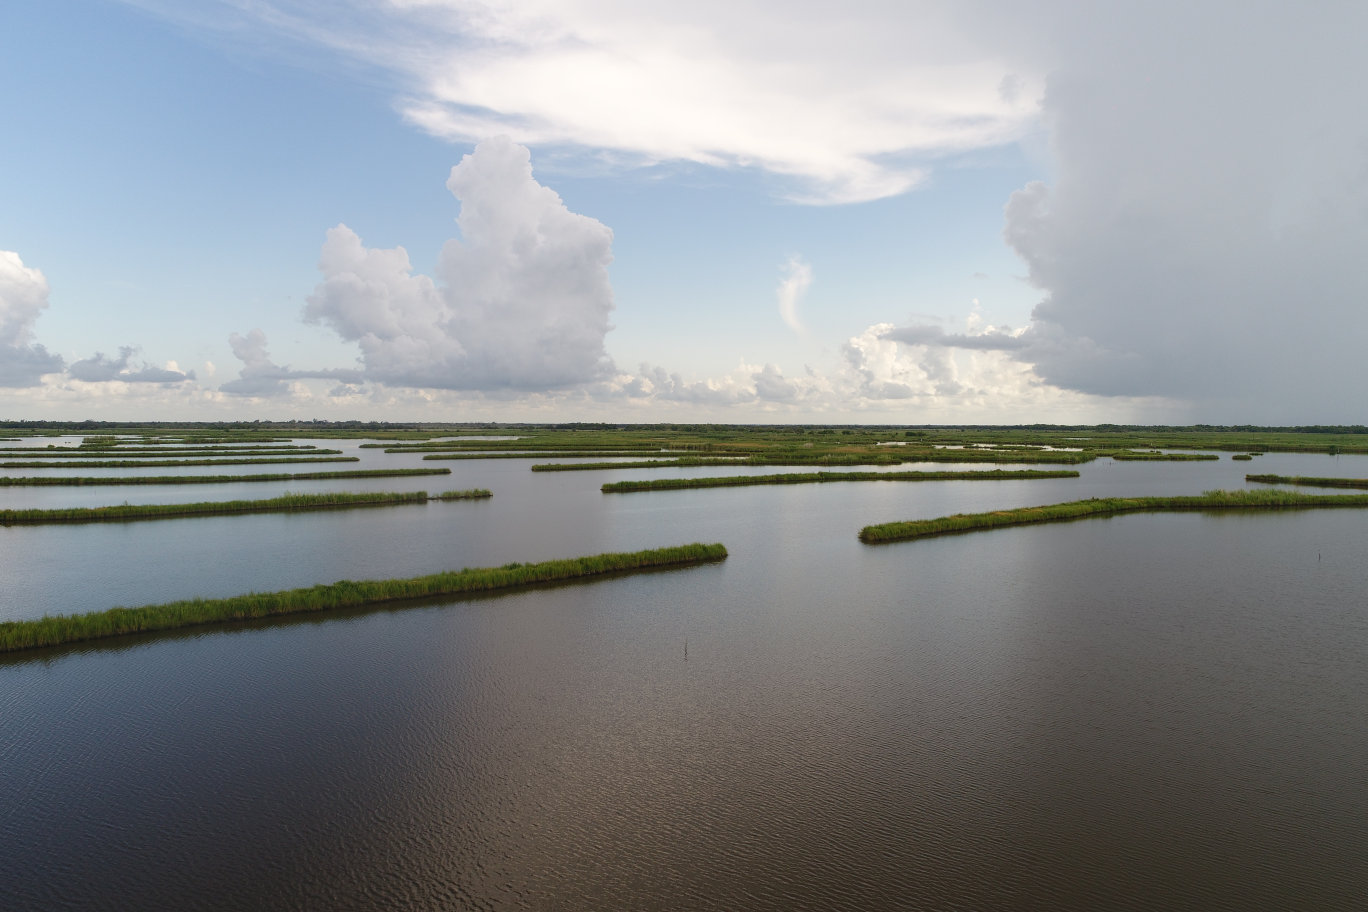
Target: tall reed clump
(669, 484)
(55, 631)
(95, 480)
(1079, 509)
(284, 503)
(1309, 482)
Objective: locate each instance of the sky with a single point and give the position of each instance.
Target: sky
(873, 212)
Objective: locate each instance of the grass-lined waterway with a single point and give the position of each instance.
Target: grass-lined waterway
(1147, 711)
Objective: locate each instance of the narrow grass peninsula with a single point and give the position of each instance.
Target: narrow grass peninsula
(286, 503)
(1080, 509)
(670, 484)
(55, 631)
(1309, 482)
(95, 480)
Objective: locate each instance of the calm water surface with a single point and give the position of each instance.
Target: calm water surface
(1145, 712)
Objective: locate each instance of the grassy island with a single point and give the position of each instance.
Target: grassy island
(93, 480)
(1080, 509)
(287, 503)
(670, 484)
(55, 631)
(1309, 482)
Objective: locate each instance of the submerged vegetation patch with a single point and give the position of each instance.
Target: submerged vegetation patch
(55, 631)
(1080, 509)
(1309, 482)
(93, 480)
(669, 484)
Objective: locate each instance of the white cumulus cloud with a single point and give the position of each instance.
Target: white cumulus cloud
(525, 295)
(263, 378)
(849, 101)
(101, 369)
(23, 296)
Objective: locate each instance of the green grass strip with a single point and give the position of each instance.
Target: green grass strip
(1309, 482)
(143, 463)
(669, 484)
(1079, 509)
(283, 504)
(93, 480)
(55, 631)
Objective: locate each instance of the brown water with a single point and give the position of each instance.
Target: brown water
(1145, 712)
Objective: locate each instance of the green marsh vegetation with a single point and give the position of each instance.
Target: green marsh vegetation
(97, 480)
(1242, 456)
(284, 504)
(775, 441)
(1081, 509)
(55, 631)
(144, 463)
(670, 484)
(1309, 482)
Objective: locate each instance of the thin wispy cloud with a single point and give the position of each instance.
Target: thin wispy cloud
(797, 276)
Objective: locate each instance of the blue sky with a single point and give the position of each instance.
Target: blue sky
(173, 168)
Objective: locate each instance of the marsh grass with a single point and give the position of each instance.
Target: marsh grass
(1156, 456)
(284, 503)
(1080, 509)
(95, 480)
(55, 631)
(670, 484)
(144, 463)
(471, 494)
(1309, 482)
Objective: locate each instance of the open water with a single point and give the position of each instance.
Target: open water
(1153, 711)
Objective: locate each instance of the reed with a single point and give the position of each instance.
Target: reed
(143, 463)
(93, 480)
(61, 629)
(1080, 509)
(1242, 457)
(284, 503)
(669, 484)
(1309, 482)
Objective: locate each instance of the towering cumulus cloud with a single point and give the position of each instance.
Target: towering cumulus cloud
(23, 296)
(525, 297)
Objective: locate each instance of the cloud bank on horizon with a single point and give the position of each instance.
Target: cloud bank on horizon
(1196, 247)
